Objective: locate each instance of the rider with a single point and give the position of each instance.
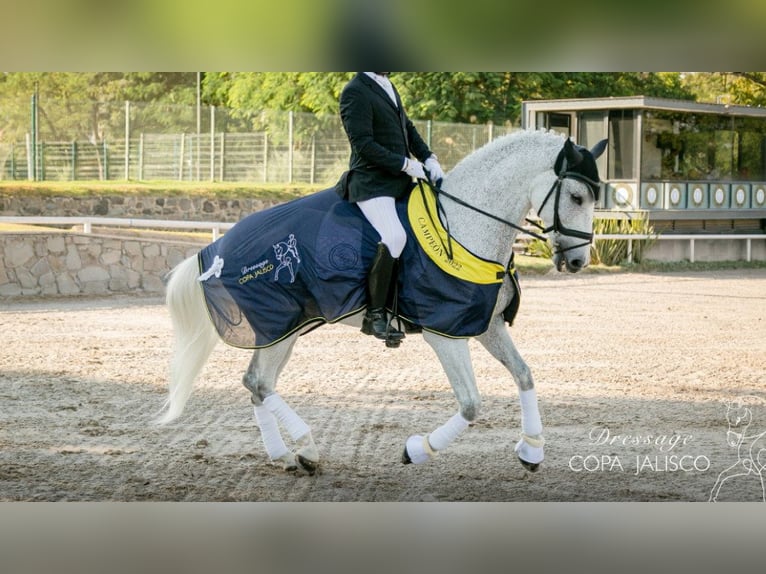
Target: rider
(381, 169)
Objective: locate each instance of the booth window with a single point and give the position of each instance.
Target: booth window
(621, 159)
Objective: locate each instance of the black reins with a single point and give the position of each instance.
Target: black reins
(557, 226)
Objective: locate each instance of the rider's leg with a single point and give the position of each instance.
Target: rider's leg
(381, 213)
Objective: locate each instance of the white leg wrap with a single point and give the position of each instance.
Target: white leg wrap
(442, 437)
(419, 450)
(530, 448)
(530, 414)
(286, 416)
(272, 439)
(307, 449)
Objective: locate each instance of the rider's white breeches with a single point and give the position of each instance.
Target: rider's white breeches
(381, 213)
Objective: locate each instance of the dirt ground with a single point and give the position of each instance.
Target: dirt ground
(633, 372)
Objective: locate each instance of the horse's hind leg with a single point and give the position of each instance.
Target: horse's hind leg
(271, 410)
(498, 342)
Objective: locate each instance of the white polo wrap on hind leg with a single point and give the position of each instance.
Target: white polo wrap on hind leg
(272, 439)
(530, 413)
(286, 416)
(530, 447)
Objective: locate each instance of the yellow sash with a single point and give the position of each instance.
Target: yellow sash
(425, 223)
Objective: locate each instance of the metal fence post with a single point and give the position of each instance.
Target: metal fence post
(182, 154)
(74, 160)
(141, 157)
(290, 146)
(429, 127)
(313, 158)
(265, 156)
(33, 171)
(212, 143)
(127, 141)
(223, 156)
(106, 161)
(30, 160)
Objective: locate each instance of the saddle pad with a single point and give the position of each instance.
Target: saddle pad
(297, 265)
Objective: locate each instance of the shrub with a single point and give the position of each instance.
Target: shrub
(615, 251)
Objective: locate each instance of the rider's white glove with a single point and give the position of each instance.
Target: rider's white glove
(434, 169)
(414, 168)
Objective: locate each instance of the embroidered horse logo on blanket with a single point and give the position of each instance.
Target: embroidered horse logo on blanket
(285, 251)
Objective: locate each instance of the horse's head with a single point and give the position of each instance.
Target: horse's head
(739, 418)
(567, 203)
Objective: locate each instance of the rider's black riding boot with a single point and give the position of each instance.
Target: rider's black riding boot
(378, 283)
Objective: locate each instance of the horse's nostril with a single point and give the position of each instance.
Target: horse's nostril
(576, 263)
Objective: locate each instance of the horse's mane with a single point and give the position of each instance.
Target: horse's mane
(528, 147)
(522, 153)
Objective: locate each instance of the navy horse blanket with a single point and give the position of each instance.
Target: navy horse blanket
(297, 265)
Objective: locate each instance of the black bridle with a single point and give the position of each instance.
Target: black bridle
(557, 226)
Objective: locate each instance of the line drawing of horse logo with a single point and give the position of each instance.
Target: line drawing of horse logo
(285, 251)
(751, 449)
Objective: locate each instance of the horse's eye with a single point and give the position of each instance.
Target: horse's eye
(577, 199)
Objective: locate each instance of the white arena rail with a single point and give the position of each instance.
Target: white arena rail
(691, 238)
(630, 237)
(88, 222)
(217, 227)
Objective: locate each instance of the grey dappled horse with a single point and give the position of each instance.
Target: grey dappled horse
(485, 198)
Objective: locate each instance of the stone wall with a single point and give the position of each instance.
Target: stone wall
(133, 206)
(73, 264)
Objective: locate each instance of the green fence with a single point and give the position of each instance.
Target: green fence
(163, 142)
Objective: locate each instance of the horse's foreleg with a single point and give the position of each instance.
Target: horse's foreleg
(456, 360)
(498, 342)
(271, 410)
(739, 468)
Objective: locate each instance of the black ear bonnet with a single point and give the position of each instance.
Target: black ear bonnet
(579, 164)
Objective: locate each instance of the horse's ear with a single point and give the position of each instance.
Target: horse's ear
(599, 148)
(573, 155)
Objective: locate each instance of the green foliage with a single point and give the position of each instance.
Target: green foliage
(741, 88)
(608, 251)
(539, 248)
(93, 100)
(85, 105)
(615, 251)
(480, 97)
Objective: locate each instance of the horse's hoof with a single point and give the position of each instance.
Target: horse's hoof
(406, 457)
(287, 461)
(309, 466)
(530, 466)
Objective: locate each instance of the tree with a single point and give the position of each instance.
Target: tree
(741, 88)
(87, 105)
(496, 96)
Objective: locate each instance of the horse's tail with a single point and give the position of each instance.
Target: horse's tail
(195, 336)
